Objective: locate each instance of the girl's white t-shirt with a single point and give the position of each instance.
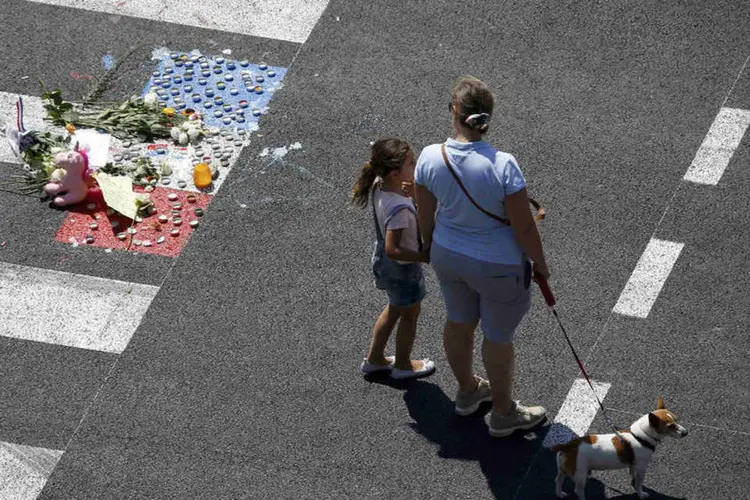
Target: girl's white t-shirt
(404, 219)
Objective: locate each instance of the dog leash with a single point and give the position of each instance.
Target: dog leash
(550, 300)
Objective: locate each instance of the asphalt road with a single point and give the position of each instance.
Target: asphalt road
(241, 380)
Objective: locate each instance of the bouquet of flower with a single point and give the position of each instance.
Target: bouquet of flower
(37, 150)
(136, 117)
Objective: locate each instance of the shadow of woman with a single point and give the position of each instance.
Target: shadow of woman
(504, 462)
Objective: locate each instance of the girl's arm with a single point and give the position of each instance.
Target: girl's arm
(426, 206)
(394, 251)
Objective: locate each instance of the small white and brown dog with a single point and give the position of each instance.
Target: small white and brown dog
(632, 449)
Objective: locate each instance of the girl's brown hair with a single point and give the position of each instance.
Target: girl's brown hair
(472, 96)
(386, 156)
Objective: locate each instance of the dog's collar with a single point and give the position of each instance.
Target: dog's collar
(650, 446)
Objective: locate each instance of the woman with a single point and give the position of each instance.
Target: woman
(482, 264)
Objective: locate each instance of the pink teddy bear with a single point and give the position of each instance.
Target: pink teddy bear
(73, 187)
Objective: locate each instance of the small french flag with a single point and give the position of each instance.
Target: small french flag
(19, 115)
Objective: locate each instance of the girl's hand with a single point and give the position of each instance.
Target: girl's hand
(425, 257)
(408, 189)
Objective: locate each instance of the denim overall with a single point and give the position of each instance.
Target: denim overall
(403, 280)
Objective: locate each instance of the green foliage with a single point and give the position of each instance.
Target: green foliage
(40, 156)
(59, 112)
(130, 119)
(141, 171)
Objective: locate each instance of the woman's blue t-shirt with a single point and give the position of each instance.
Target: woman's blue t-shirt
(488, 175)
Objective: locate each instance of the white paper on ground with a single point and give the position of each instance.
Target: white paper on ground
(95, 142)
(118, 193)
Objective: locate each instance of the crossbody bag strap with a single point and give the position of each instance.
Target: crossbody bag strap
(539, 210)
(375, 216)
(501, 220)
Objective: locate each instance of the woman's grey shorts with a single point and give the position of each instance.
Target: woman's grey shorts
(496, 294)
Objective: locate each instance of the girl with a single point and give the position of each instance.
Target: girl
(388, 177)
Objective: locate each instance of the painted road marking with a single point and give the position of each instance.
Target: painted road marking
(33, 119)
(648, 278)
(70, 309)
(151, 237)
(25, 469)
(717, 148)
(576, 413)
(289, 20)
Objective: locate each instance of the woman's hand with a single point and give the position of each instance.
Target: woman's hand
(540, 270)
(525, 230)
(426, 206)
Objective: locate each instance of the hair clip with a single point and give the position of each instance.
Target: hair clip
(477, 119)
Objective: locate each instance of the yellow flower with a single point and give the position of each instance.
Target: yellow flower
(168, 111)
(70, 128)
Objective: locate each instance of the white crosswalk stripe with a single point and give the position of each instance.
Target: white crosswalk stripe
(24, 470)
(288, 20)
(648, 278)
(718, 147)
(70, 309)
(576, 413)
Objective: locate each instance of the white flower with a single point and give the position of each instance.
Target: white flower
(143, 199)
(151, 100)
(194, 133)
(175, 133)
(166, 168)
(57, 175)
(183, 138)
(185, 125)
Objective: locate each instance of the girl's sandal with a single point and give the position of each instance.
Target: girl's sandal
(367, 367)
(428, 369)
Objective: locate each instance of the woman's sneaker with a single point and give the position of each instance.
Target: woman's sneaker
(520, 417)
(468, 403)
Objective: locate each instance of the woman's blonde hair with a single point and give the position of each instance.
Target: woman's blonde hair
(474, 103)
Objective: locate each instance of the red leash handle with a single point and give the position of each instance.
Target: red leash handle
(546, 291)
